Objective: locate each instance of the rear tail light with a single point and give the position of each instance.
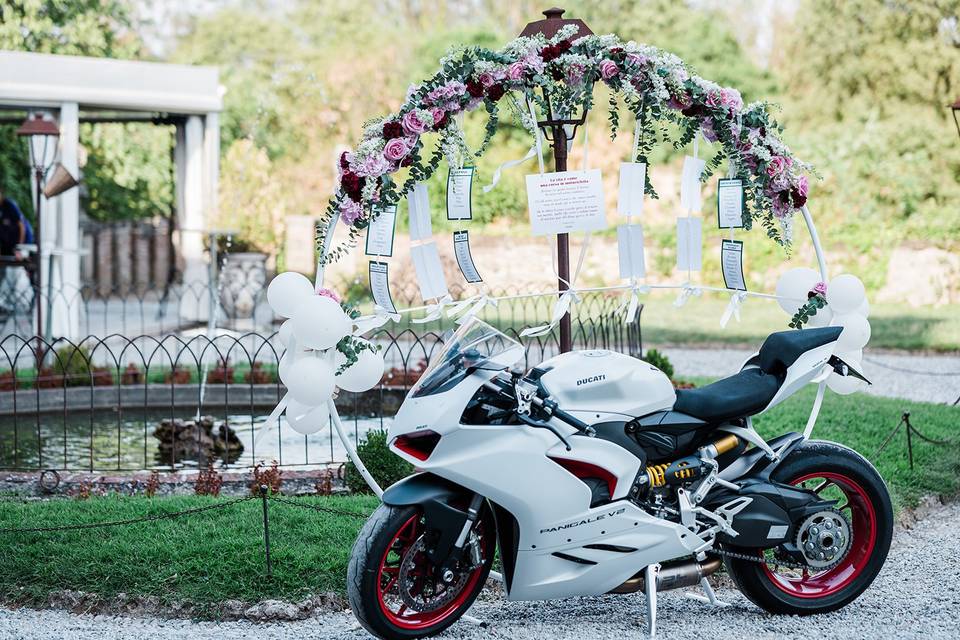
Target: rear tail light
(419, 444)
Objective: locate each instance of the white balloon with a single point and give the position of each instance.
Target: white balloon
(287, 291)
(845, 293)
(856, 331)
(821, 319)
(795, 283)
(310, 381)
(285, 333)
(844, 385)
(864, 308)
(320, 323)
(305, 419)
(363, 374)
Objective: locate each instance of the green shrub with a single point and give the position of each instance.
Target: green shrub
(385, 466)
(71, 361)
(660, 361)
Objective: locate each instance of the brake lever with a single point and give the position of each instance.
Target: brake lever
(545, 425)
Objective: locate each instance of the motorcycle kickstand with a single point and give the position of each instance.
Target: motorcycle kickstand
(474, 621)
(708, 597)
(650, 590)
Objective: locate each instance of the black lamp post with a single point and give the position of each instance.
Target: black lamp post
(559, 129)
(42, 136)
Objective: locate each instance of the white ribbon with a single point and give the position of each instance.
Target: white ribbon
(560, 309)
(434, 311)
(470, 307)
(632, 303)
(685, 294)
(380, 317)
(508, 165)
(733, 308)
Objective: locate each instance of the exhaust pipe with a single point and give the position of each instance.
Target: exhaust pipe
(673, 576)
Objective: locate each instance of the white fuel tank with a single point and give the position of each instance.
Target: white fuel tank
(602, 382)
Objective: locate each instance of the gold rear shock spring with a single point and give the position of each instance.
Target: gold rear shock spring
(657, 475)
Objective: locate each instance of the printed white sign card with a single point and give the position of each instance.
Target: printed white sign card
(426, 262)
(566, 201)
(630, 245)
(689, 239)
(381, 231)
(690, 183)
(418, 203)
(461, 249)
(731, 259)
(380, 285)
(633, 178)
(459, 193)
(730, 203)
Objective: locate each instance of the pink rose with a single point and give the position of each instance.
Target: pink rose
(820, 288)
(328, 293)
(731, 99)
(608, 69)
(515, 71)
(396, 149)
(713, 99)
(437, 114)
(413, 124)
(803, 185)
(350, 210)
(776, 166)
(637, 59)
(487, 79)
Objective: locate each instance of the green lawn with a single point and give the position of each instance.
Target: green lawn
(698, 322)
(216, 556)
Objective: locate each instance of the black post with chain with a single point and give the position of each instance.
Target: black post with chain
(264, 494)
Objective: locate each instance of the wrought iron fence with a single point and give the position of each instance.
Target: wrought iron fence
(117, 403)
(89, 310)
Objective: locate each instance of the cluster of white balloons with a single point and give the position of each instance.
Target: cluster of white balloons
(847, 307)
(315, 325)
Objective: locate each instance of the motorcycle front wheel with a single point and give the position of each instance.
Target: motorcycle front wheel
(836, 473)
(391, 583)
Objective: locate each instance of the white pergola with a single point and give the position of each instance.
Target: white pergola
(75, 89)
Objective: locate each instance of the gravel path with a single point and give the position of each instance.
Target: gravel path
(914, 377)
(915, 596)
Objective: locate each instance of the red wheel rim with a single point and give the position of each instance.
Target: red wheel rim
(390, 603)
(863, 521)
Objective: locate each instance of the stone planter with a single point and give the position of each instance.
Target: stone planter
(244, 282)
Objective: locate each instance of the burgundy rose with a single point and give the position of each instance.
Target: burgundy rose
(441, 121)
(563, 46)
(392, 129)
(496, 92)
(475, 89)
(693, 111)
(550, 52)
(407, 160)
(798, 198)
(352, 185)
(344, 161)
(556, 73)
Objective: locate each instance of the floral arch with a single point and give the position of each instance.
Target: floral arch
(655, 86)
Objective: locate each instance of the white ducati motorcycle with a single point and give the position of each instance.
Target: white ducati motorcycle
(593, 476)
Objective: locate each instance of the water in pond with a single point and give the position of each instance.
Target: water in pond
(108, 441)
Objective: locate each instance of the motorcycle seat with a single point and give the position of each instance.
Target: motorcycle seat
(741, 394)
(749, 391)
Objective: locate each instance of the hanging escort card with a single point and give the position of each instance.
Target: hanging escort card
(381, 231)
(690, 183)
(730, 203)
(426, 262)
(630, 246)
(380, 286)
(460, 193)
(633, 177)
(418, 203)
(461, 249)
(731, 259)
(566, 201)
(689, 251)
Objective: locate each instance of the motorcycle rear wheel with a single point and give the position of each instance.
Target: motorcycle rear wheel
(374, 573)
(836, 472)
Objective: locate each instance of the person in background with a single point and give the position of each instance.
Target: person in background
(13, 232)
